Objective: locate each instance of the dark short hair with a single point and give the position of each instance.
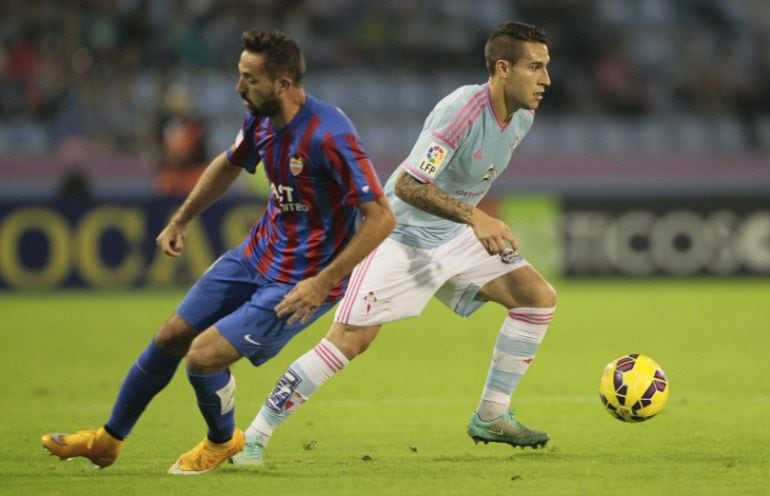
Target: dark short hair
(282, 54)
(505, 42)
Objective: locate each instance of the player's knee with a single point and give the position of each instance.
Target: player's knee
(351, 348)
(174, 336)
(547, 296)
(201, 359)
(541, 295)
(361, 346)
(196, 360)
(351, 340)
(210, 352)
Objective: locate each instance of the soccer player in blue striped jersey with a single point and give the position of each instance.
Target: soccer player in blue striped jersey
(444, 246)
(291, 268)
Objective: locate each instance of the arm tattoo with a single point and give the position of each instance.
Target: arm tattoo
(430, 198)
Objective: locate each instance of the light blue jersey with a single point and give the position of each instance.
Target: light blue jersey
(462, 148)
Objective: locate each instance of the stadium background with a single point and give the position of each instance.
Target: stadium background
(642, 190)
(650, 154)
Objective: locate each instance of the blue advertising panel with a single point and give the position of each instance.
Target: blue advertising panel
(111, 244)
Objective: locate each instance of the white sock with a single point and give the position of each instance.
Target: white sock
(519, 338)
(296, 386)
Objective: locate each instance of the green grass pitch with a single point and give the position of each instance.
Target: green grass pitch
(394, 421)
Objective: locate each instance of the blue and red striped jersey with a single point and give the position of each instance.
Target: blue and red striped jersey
(319, 173)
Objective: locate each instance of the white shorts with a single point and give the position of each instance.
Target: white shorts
(396, 281)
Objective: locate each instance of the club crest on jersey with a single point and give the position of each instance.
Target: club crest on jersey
(295, 165)
(434, 156)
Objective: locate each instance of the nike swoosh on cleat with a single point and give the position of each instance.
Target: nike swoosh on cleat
(58, 438)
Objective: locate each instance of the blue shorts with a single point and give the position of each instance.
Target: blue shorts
(233, 297)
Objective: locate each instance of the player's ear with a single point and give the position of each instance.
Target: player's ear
(502, 67)
(283, 83)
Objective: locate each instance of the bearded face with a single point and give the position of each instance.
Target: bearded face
(257, 90)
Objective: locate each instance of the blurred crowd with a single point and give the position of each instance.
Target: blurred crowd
(156, 76)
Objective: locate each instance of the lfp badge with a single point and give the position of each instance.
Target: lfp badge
(435, 154)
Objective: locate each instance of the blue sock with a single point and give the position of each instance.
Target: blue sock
(216, 401)
(151, 372)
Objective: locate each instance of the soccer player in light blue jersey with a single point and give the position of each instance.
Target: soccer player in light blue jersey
(291, 268)
(444, 246)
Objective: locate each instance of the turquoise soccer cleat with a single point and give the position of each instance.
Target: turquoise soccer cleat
(251, 454)
(505, 429)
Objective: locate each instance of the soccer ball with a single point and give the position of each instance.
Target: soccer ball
(633, 388)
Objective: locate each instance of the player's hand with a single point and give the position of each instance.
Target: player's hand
(171, 239)
(303, 300)
(493, 233)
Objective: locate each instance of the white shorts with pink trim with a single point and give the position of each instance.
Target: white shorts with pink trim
(396, 281)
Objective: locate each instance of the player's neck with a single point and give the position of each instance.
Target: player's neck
(499, 104)
(291, 103)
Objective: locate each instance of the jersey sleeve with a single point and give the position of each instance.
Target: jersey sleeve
(243, 151)
(428, 158)
(444, 131)
(351, 168)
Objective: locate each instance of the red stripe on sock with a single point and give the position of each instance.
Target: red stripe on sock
(325, 360)
(531, 318)
(328, 357)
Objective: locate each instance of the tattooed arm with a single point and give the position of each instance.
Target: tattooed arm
(491, 232)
